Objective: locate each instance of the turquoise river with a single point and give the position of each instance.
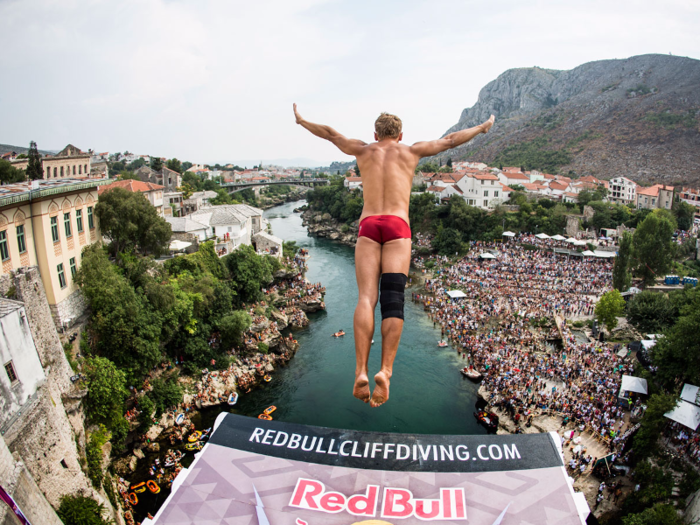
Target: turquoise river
(428, 394)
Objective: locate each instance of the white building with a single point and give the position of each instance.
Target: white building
(23, 373)
(232, 224)
(188, 225)
(623, 191)
(353, 183)
(483, 190)
(511, 178)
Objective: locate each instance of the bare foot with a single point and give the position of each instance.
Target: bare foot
(381, 389)
(361, 388)
(487, 125)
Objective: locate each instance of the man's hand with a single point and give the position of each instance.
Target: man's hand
(297, 115)
(486, 125)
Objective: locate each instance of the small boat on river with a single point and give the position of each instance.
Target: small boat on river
(133, 498)
(194, 446)
(267, 378)
(179, 419)
(488, 419)
(153, 486)
(194, 436)
(269, 410)
(339, 333)
(233, 398)
(266, 417)
(471, 373)
(442, 343)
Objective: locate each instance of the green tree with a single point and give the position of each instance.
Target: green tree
(651, 312)
(106, 386)
(646, 440)
(93, 455)
(127, 328)
(80, 510)
(250, 273)
(34, 168)
(677, 355)
(684, 213)
(449, 162)
(652, 247)
(146, 408)
(610, 306)
(187, 165)
(165, 394)
(621, 274)
(232, 328)
(174, 164)
(448, 241)
(127, 175)
(156, 164)
(130, 222)
(9, 174)
(659, 514)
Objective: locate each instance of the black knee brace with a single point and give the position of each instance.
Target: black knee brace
(391, 298)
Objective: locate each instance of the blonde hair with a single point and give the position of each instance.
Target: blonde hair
(387, 126)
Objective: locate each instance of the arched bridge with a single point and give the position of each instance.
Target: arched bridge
(233, 187)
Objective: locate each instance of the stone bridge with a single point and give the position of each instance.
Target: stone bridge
(234, 187)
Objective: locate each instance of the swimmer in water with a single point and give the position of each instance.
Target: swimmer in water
(383, 249)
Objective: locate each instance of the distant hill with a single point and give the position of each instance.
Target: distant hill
(6, 148)
(638, 117)
(337, 167)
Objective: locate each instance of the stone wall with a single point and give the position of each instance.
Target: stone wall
(573, 223)
(67, 312)
(187, 237)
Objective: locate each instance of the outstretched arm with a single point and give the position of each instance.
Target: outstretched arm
(433, 147)
(344, 144)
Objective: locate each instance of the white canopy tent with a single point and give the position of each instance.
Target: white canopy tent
(542, 236)
(571, 240)
(648, 344)
(686, 414)
(579, 243)
(558, 237)
(456, 294)
(487, 255)
(690, 394)
(178, 246)
(634, 384)
(604, 254)
(588, 253)
(508, 234)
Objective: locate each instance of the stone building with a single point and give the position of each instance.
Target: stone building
(47, 224)
(153, 192)
(623, 191)
(42, 432)
(69, 163)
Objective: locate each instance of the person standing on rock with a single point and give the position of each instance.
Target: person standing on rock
(383, 249)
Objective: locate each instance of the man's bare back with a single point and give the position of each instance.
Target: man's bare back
(383, 250)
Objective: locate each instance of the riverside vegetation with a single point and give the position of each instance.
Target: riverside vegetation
(145, 315)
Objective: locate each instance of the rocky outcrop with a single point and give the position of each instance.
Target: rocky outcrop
(638, 117)
(323, 225)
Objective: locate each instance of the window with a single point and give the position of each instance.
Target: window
(54, 229)
(61, 171)
(486, 193)
(10, 369)
(495, 194)
(73, 169)
(72, 267)
(61, 276)
(79, 220)
(21, 244)
(66, 224)
(80, 170)
(86, 169)
(91, 220)
(55, 173)
(486, 203)
(4, 251)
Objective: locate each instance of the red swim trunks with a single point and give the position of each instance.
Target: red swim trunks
(384, 228)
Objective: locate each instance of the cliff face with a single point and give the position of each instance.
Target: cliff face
(638, 117)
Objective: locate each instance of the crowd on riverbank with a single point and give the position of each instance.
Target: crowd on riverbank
(503, 325)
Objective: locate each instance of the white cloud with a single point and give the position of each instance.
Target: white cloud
(214, 80)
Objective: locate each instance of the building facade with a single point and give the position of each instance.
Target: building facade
(623, 191)
(47, 224)
(656, 196)
(69, 163)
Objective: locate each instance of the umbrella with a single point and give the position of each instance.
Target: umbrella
(570, 239)
(178, 246)
(558, 237)
(577, 449)
(542, 236)
(508, 234)
(487, 255)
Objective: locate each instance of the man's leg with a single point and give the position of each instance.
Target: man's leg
(368, 258)
(395, 258)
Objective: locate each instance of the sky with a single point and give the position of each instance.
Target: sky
(214, 80)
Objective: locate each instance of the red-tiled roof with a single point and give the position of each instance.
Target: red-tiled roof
(556, 185)
(130, 185)
(506, 189)
(353, 179)
(485, 176)
(516, 176)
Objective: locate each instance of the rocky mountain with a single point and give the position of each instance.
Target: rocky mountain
(637, 117)
(7, 148)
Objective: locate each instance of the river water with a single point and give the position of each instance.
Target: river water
(428, 394)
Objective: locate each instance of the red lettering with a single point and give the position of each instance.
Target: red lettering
(304, 492)
(397, 503)
(446, 503)
(461, 510)
(333, 502)
(434, 511)
(366, 505)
